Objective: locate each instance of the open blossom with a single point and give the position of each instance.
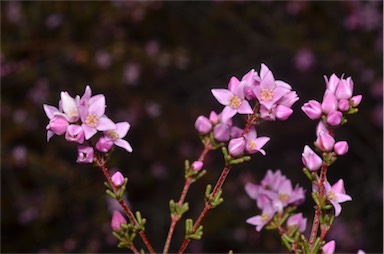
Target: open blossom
(336, 195)
(233, 99)
(93, 118)
(310, 159)
(57, 124)
(253, 144)
(116, 135)
(261, 220)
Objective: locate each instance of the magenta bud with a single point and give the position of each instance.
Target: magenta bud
(75, 133)
(310, 159)
(203, 125)
(104, 144)
(222, 132)
(344, 89)
(236, 146)
(58, 125)
(325, 141)
(343, 105)
(312, 109)
(118, 179)
(85, 154)
(341, 147)
(355, 100)
(329, 103)
(329, 247)
(283, 112)
(117, 220)
(213, 117)
(334, 118)
(197, 165)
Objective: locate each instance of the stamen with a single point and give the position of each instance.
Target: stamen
(234, 101)
(266, 94)
(92, 120)
(264, 217)
(112, 134)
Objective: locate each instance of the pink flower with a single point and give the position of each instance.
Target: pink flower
(269, 91)
(57, 124)
(329, 247)
(75, 133)
(260, 220)
(104, 144)
(70, 107)
(93, 117)
(117, 220)
(116, 135)
(329, 103)
(253, 144)
(325, 141)
(341, 147)
(312, 109)
(203, 125)
(236, 146)
(197, 165)
(85, 154)
(336, 195)
(334, 118)
(118, 179)
(310, 159)
(233, 99)
(297, 220)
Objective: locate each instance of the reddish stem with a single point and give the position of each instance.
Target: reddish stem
(207, 206)
(316, 220)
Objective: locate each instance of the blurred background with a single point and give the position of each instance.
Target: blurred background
(156, 63)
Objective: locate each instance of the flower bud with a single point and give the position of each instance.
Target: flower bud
(344, 89)
(341, 147)
(325, 141)
(329, 247)
(310, 159)
(203, 125)
(75, 133)
(236, 146)
(312, 109)
(58, 125)
(355, 100)
(329, 103)
(117, 179)
(197, 165)
(85, 154)
(213, 117)
(117, 220)
(104, 144)
(222, 132)
(343, 105)
(334, 118)
(283, 112)
(297, 220)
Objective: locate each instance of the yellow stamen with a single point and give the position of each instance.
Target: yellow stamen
(234, 101)
(266, 94)
(112, 134)
(92, 120)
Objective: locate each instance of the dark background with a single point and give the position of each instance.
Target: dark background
(156, 63)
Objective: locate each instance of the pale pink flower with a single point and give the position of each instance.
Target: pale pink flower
(57, 124)
(312, 109)
(118, 179)
(341, 147)
(70, 107)
(117, 220)
(253, 144)
(261, 220)
(310, 159)
(116, 135)
(75, 133)
(329, 247)
(336, 195)
(233, 99)
(93, 118)
(85, 154)
(297, 220)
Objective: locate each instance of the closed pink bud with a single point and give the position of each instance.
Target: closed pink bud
(329, 247)
(222, 132)
(334, 118)
(355, 100)
(236, 146)
(343, 105)
(197, 165)
(203, 125)
(310, 159)
(85, 154)
(117, 179)
(213, 117)
(58, 125)
(344, 89)
(104, 144)
(329, 103)
(341, 147)
(283, 112)
(117, 220)
(325, 141)
(312, 109)
(75, 133)
(297, 220)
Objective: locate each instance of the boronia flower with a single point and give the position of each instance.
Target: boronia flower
(261, 220)
(116, 135)
(85, 154)
(336, 195)
(253, 144)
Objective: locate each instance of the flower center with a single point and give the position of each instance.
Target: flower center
(92, 120)
(252, 144)
(112, 134)
(283, 197)
(266, 94)
(331, 195)
(73, 113)
(235, 101)
(264, 217)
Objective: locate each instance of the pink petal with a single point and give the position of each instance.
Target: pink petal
(233, 82)
(261, 141)
(97, 106)
(105, 124)
(268, 82)
(245, 108)
(228, 113)
(88, 131)
(49, 135)
(341, 198)
(255, 220)
(338, 187)
(222, 95)
(252, 190)
(122, 129)
(337, 207)
(263, 71)
(280, 83)
(68, 103)
(123, 144)
(50, 110)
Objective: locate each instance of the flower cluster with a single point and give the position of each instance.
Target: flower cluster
(272, 99)
(272, 196)
(81, 118)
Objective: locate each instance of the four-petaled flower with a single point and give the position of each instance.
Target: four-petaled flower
(336, 195)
